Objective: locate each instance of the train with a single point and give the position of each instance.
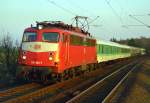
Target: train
(53, 50)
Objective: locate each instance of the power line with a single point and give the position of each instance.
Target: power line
(133, 17)
(138, 15)
(79, 7)
(113, 10)
(62, 8)
(119, 17)
(96, 25)
(121, 8)
(135, 25)
(93, 20)
(72, 13)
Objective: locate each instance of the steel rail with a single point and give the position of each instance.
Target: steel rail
(39, 93)
(108, 97)
(99, 83)
(77, 88)
(18, 89)
(36, 94)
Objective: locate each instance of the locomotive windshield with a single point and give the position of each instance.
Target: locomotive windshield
(50, 37)
(29, 36)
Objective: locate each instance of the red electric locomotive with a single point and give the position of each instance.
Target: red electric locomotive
(55, 50)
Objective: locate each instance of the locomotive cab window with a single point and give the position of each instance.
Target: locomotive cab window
(50, 37)
(29, 36)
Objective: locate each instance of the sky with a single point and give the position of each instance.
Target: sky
(114, 20)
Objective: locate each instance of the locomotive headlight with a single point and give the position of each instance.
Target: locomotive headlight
(50, 58)
(24, 57)
(40, 27)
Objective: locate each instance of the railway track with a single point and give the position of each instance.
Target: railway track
(103, 90)
(59, 91)
(17, 91)
(76, 89)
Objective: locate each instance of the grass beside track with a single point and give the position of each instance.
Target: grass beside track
(12, 92)
(140, 90)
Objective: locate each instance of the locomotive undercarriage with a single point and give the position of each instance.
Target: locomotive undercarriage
(34, 74)
(75, 71)
(46, 75)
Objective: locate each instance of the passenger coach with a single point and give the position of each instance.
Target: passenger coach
(107, 51)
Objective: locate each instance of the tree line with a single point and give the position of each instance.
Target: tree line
(142, 42)
(8, 58)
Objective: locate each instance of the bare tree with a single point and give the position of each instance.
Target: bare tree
(8, 57)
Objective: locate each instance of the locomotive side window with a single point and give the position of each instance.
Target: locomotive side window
(76, 40)
(29, 36)
(91, 42)
(50, 37)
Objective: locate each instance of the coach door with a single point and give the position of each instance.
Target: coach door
(66, 48)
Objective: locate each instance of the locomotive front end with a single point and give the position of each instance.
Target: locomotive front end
(39, 53)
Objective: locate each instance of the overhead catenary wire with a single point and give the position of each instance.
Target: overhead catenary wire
(114, 11)
(135, 25)
(67, 10)
(124, 25)
(138, 15)
(117, 15)
(62, 8)
(91, 14)
(93, 20)
(121, 8)
(71, 11)
(133, 17)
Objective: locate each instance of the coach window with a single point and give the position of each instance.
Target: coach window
(98, 48)
(110, 49)
(50, 37)
(102, 49)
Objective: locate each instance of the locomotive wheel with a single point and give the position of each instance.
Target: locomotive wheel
(45, 80)
(26, 76)
(60, 77)
(66, 75)
(72, 70)
(77, 71)
(89, 68)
